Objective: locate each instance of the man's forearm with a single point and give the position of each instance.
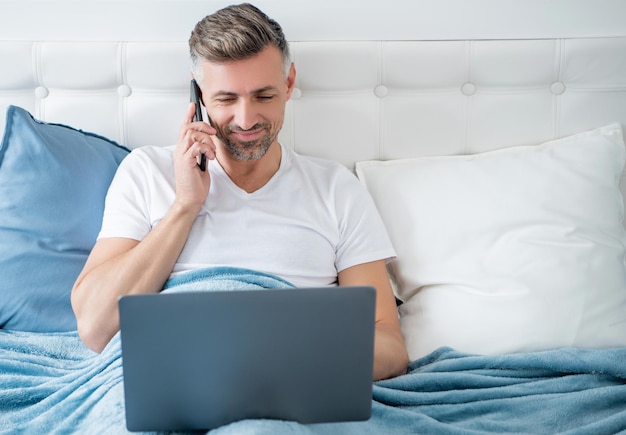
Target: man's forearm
(390, 355)
(119, 267)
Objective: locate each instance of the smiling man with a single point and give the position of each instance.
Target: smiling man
(259, 205)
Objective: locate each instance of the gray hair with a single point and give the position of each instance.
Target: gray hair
(236, 32)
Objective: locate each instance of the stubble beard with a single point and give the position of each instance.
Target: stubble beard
(251, 150)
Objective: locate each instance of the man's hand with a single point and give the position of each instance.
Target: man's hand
(192, 184)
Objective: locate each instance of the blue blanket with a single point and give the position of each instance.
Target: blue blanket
(51, 383)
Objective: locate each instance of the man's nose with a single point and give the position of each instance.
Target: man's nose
(245, 115)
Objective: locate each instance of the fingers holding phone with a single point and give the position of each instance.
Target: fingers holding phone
(198, 134)
(193, 182)
(195, 137)
(195, 95)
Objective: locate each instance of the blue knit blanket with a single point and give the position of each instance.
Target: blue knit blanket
(51, 383)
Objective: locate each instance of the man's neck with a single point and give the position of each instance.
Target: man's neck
(251, 175)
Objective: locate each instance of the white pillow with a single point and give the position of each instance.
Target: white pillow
(513, 250)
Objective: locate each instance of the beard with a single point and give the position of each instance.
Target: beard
(246, 150)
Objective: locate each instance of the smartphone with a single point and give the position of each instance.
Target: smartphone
(196, 97)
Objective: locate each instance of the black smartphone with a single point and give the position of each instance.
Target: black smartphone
(196, 97)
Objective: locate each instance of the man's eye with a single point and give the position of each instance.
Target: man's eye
(225, 100)
(265, 97)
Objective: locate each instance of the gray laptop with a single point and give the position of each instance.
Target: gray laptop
(199, 360)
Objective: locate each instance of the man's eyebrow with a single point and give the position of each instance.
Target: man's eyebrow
(223, 94)
(264, 89)
(234, 94)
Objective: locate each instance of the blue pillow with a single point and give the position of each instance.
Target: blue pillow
(53, 180)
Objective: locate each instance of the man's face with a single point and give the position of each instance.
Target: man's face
(245, 101)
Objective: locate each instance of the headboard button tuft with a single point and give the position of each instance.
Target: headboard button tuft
(557, 88)
(41, 92)
(381, 91)
(124, 91)
(468, 89)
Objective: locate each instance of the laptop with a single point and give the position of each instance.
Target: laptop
(199, 360)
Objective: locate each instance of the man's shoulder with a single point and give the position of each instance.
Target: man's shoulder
(154, 151)
(315, 163)
(150, 156)
(328, 175)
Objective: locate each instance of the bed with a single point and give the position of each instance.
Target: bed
(489, 133)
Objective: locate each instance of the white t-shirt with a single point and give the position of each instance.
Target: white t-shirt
(311, 220)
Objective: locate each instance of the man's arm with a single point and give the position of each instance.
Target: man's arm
(390, 354)
(120, 266)
(117, 267)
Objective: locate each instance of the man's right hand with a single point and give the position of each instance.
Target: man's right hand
(192, 184)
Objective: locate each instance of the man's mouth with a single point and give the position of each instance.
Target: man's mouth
(251, 135)
(248, 135)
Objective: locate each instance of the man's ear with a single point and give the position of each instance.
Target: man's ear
(291, 79)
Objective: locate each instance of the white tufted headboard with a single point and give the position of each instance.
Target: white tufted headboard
(376, 80)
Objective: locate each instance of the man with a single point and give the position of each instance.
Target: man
(258, 205)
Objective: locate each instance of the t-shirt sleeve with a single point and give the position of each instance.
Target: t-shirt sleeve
(126, 211)
(363, 236)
